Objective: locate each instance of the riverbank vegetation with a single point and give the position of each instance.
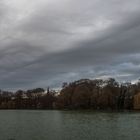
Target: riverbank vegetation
(81, 94)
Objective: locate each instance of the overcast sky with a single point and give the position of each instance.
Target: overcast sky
(48, 42)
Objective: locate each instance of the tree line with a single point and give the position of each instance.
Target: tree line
(81, 94)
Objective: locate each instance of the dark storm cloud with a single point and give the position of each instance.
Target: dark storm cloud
(46, 43)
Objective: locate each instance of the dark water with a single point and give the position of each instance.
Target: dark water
(69, 125)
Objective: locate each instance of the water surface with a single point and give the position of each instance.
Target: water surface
(68, 125)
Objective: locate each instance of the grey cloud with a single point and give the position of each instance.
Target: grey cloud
(2, 8)
(66, 41)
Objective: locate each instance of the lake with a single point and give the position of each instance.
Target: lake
(68, 125)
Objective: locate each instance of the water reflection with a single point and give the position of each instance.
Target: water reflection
(69, 125)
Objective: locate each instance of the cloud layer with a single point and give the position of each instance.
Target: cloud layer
(47, 42)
